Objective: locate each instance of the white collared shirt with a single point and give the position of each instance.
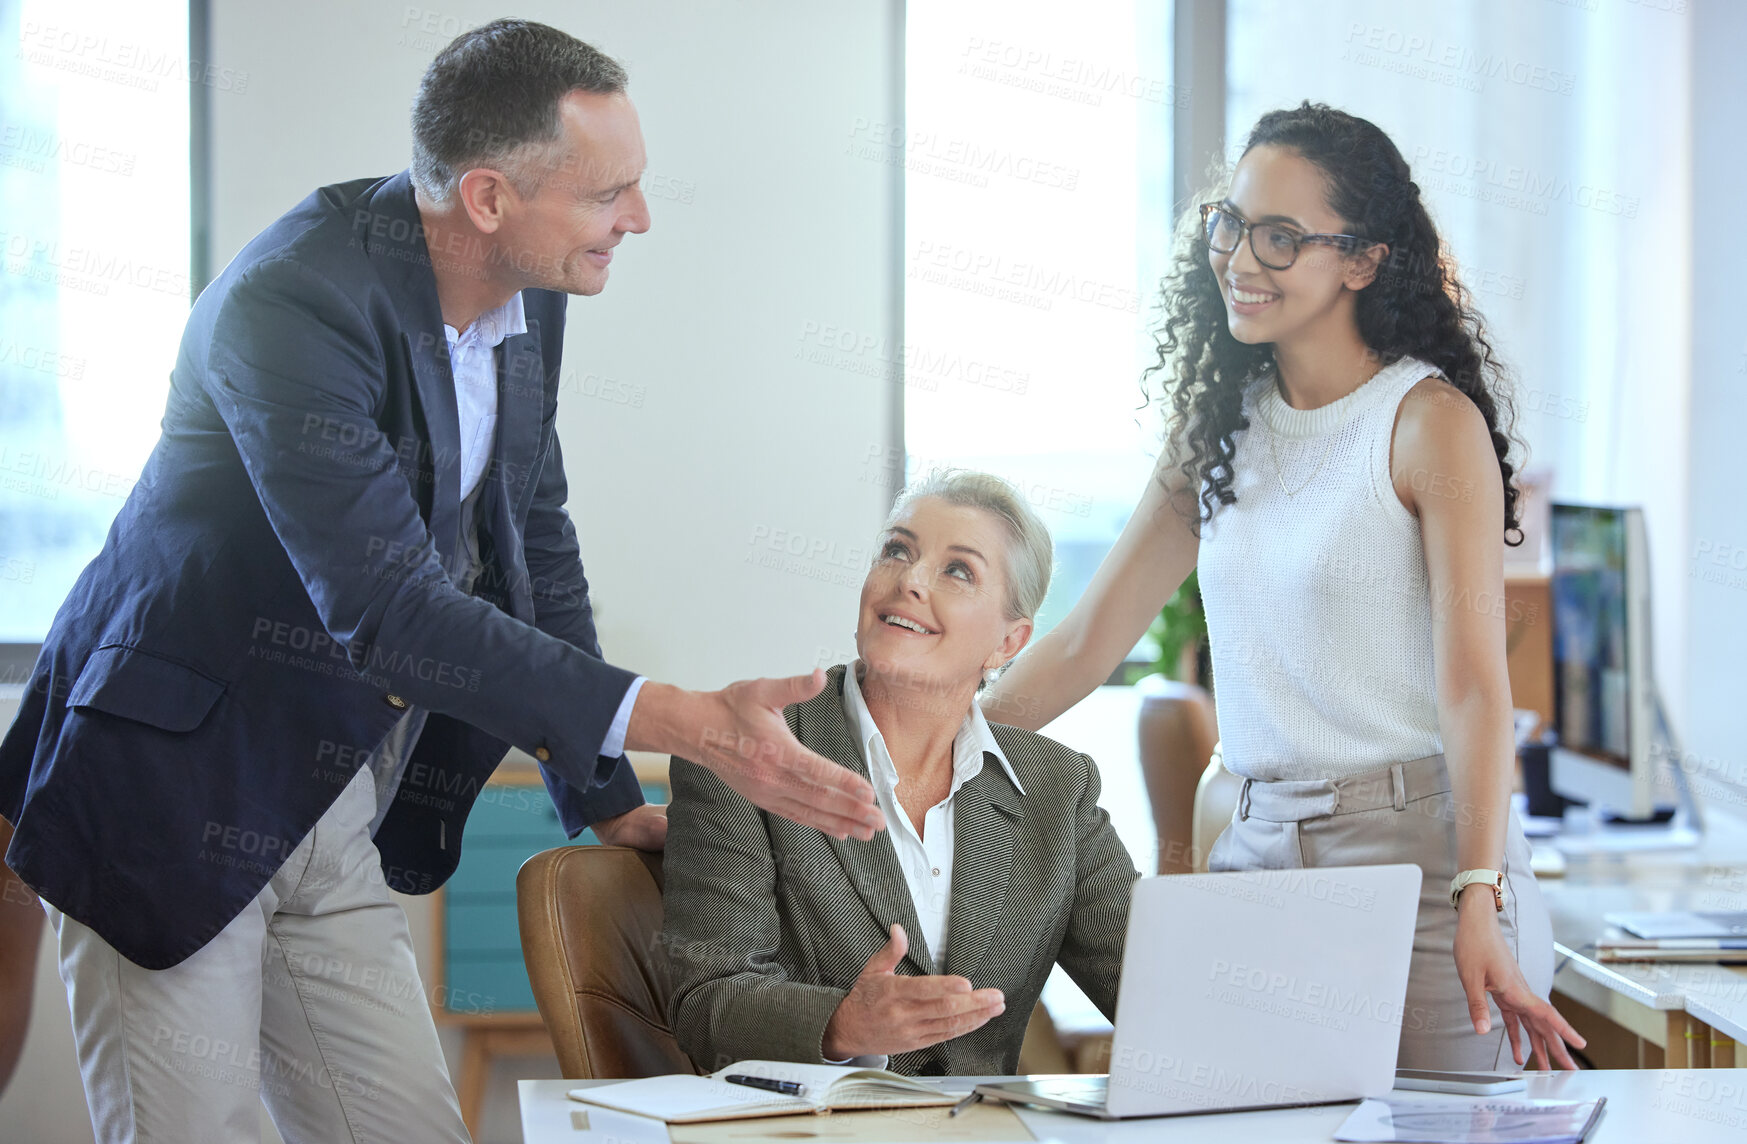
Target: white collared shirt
(474, 367)
(925, 860)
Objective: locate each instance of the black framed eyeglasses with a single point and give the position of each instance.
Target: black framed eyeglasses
(1274, 246)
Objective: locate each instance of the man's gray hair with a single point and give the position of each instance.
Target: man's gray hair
(1030, 552)
(491, 99)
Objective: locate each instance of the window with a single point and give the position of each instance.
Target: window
(1037, 152)
(1551, 142)
(94, 243)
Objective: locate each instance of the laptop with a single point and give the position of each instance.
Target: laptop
(1252, 989)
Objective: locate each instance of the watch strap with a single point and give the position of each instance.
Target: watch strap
(1467, 878)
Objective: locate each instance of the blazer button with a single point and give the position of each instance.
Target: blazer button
(543, 754)
(395, 702)
(932, 1068)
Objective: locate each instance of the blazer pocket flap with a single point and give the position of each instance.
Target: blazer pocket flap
(137, 685)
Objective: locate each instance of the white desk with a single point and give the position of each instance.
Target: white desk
(1693, 1106)
(1694, 1012)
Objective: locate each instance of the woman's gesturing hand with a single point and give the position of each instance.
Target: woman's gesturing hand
(888, 1013)
(1486, 965)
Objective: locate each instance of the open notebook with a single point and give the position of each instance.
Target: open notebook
(824, 1088)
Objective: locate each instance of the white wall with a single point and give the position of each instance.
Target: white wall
(731, 441)
(747, 109)
(1715, 562)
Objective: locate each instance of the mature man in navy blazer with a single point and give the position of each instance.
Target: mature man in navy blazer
(343, 587)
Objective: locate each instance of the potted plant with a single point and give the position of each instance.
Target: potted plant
(1180, 632)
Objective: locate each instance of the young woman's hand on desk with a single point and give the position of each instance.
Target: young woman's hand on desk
(1486, 965)
(886, 1013)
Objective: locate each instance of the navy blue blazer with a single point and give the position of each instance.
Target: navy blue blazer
(276, 591)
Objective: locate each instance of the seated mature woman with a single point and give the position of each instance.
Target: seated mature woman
(931, 943)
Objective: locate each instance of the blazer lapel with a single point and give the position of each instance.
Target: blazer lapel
(520, 392)
(392, 232)
(984, 817)
(506, 490)
(872, 866)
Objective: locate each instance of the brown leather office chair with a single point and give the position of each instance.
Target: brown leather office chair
(1177, 733)
(591, 928)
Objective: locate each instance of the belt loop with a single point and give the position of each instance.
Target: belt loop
(1398, 779)
(1243, 802)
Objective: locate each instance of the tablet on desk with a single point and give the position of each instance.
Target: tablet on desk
(1661, 924)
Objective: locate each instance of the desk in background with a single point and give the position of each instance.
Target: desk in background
(1649, 1014)
(1641, 1015)
(1643, 1107)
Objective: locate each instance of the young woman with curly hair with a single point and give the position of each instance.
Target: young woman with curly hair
(1337, 470)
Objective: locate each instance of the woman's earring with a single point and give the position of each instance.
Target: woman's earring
(991, 675)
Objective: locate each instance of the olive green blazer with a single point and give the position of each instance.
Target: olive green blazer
(768, 924)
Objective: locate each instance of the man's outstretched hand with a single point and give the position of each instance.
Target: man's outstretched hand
(740, 734)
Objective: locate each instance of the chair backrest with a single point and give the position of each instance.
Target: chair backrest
(591, 929)
(1216, 796)
(1177, 732)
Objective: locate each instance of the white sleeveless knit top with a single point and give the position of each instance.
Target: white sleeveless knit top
(1314, 586)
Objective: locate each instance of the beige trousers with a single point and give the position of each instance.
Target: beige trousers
(309, 1001)
(1401, 813)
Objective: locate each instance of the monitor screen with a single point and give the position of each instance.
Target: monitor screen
(1591, 676)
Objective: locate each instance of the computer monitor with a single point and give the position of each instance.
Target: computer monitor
(1604, 694)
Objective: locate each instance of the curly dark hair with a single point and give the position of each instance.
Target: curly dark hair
(1415, 306)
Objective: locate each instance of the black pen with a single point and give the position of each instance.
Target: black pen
(786, 1087)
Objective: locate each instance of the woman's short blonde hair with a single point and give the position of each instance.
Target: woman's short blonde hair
(1030, 552)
